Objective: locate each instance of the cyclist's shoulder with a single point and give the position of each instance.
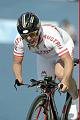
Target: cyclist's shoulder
(47, 25)
(62, 30)
(18, 41)
(18, 37)
(51, 28)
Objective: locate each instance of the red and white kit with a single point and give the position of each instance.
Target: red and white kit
(54, 43)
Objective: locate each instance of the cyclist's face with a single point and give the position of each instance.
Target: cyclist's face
(33, 41)
(32, 38)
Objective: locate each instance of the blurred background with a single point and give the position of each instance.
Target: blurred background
(14, 105)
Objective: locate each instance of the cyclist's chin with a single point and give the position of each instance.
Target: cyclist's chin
(34, 44)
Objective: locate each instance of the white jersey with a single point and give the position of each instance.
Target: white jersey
(55, 42)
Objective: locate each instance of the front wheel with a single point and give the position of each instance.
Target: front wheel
(40, 109)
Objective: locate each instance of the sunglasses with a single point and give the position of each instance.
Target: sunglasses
(31, 34)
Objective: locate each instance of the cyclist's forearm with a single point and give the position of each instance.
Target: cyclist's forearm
(68, 68)
(17, 69)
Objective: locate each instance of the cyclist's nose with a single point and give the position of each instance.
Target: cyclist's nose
(29, 38)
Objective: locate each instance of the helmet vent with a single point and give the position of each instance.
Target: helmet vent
(23, 21)
(32, 19)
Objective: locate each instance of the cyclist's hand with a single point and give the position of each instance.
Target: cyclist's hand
(20, 81)
(63, 87)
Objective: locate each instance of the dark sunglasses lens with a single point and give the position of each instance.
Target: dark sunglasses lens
(33, 34)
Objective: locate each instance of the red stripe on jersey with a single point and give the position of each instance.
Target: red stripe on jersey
(18, 53)
(46, 24)
(52, 27)
(18, 56)
(63, 51)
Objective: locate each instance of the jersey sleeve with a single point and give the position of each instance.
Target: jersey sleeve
(18, 47)
(61, 51)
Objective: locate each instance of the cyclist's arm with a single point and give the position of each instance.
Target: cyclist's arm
(68, 67)
(17, 67)
(18, 55)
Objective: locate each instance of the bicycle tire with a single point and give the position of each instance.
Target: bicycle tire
(36, 104)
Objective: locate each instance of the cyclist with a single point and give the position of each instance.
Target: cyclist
(49, 41)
